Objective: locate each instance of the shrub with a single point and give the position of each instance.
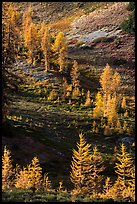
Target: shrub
(78, 44)
(131, 6)
(76, 93)
(100, 39)
(17, 196)
(47, 197)
(129, 24)
(72, 42)
(63, 197)
(61, 25)
(120, 61)
(53, 95)
(107, 131)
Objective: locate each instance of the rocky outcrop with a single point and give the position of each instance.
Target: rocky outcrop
(107, 17)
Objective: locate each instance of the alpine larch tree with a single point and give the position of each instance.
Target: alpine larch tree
(96, 168)
(46, 47)
(124, 169)
(7, 169)
(109, 91)
(80, 166)
(60, 51)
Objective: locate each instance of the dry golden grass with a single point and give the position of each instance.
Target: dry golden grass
(64, 24)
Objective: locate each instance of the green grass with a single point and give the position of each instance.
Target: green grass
(41, 196)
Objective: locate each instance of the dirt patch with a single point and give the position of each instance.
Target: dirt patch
(24, 148)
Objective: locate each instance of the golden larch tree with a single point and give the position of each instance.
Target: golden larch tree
(7, 169)
(80, 165)
(123, 168)
(107, 189)
(97, 167)
(35, 173)
(41, 30)
(110, 82)
(11, 38)
(76, 93)
(118, 127)
(88, 100)
(115, 87)
(131, 183)
(106, 79)
(30, 41)
(99, 106)
(45, 46)
(110, 86)
(60, 49)
(64, 88)
(22, 180)
(111, 111)
(26, 19)
(123, 103)
(46, 183)
(30, 176)
(75, 75)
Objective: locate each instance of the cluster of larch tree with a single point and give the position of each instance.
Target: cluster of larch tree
(109, 101)
(86, 174)
(11, 44)
(39, 43)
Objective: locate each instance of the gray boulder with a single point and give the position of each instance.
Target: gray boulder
(127, 140)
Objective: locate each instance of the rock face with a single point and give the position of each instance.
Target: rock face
(101, 33)
(94, 35)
